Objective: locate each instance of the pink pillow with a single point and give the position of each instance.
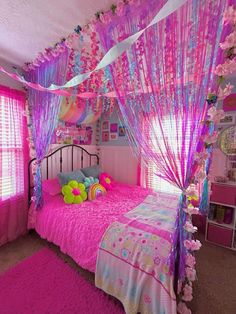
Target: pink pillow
(51, 186)
(106, 181)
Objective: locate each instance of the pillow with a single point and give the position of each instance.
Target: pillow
(96, 190)
(74, 192)
(88, 181)
(51, 186)
(65, 177)
(106, 180)
(93, 171)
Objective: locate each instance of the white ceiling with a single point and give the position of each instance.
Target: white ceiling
(29, 26)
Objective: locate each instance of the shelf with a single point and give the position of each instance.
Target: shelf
(229, 226)
(226, 183)
(227, 205)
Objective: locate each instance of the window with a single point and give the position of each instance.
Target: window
(12, 144)
(173, 134)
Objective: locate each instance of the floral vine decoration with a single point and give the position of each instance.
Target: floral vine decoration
(214, 115)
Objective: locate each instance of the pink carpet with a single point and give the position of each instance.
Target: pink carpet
(44, 284)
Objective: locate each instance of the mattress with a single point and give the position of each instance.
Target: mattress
(78, 229)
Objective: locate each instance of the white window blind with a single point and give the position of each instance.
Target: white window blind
(12, 135)
(173, 134)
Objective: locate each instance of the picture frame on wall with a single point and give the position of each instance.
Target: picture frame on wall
(105, 125)
(121, 131)
(113, 128)
(105, 136)
(229, 119)
(113, 136)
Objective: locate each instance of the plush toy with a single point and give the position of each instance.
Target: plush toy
(74, 192)
(88, 181)
(106, 181)
(96, 190)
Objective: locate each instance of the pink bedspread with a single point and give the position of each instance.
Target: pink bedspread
(78, 229)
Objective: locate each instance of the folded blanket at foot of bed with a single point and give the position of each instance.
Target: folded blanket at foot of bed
(132, 262)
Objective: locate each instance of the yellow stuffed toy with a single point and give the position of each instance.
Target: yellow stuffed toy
(74, 192)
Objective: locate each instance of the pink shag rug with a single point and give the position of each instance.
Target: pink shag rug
(44, 283)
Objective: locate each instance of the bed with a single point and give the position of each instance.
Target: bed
(83, 232)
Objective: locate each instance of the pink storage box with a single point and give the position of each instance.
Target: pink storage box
(225, 194)
(219, 235)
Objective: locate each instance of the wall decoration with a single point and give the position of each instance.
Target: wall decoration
(229, 103)
(105, 136)
(229, 119)
(73, 134)
(113, 127)
(105, 125)
(113, 136)
(121, 131)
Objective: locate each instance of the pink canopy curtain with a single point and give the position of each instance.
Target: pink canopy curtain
(13, 165)
(162, 83)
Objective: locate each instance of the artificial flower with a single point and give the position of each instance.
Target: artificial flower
(189, 227)
(188, 293)
(190, 273)
(192, 245)
(225, 92)
(191, 210)
(74, 192)
(183, 309)
(215, 115)
(229, 67)
(230, 41)
(201, 157)
(229, 16)
(190, 260)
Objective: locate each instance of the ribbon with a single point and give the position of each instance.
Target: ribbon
(170, 7)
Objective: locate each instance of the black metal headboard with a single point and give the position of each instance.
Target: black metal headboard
(60, 152)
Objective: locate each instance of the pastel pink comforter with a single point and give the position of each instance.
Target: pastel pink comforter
(78, 229)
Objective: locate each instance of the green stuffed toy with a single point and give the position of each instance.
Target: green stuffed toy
(74, 192)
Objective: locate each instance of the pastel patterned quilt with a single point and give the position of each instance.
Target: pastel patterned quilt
(132, 259)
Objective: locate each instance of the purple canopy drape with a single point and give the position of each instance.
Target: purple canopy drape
(162, 83)
(44, 109)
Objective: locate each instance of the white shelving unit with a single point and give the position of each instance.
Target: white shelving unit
(221, 234)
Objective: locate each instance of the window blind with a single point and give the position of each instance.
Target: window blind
(172, 132)
(12, 146)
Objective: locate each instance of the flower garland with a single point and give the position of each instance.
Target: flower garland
(214, 115)
(71, 41)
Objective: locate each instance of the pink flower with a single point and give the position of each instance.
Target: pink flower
(120, 8)
(189, 227)
(225, 92)
(215, 115)
(230, 41)
(210, 139)
(182, 308)
(190, 273)
(190, 260)
(147, 299)
(192, 245)
(229, 15)
(188, 293)
(105, 18)
(226, 68)
(201, 157)
(191, 210)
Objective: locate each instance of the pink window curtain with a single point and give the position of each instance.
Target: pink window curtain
(13, 169)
